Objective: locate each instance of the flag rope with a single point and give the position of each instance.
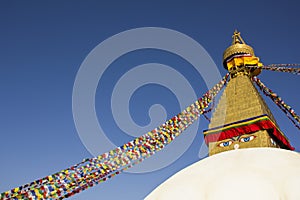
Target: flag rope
(288, 110)
(281, 68)
(95, 170)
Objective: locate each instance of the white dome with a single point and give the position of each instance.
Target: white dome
(253, 173)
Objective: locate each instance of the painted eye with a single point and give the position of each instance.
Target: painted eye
(247, 139)
(225, 144)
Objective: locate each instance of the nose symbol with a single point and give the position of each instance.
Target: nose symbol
(236, 146)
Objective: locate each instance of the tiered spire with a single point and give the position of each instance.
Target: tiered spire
(239, 55)
(242, 119)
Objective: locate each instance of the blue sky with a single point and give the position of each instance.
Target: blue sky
(43, 44)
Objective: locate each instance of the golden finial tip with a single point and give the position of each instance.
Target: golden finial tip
(235, 37)
(238, 47)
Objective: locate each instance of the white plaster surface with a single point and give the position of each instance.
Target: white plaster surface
(253, 173)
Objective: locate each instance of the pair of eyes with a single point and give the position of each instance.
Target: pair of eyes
(243, 139)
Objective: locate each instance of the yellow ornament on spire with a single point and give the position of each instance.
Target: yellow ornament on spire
(239, 57)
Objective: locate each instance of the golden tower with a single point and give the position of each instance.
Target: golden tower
(242, 119)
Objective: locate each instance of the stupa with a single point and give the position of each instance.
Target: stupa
(242, 119)
(250, 157)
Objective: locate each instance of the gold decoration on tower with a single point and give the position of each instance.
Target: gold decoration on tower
(238, 46)
(242, 119)
(238, 57)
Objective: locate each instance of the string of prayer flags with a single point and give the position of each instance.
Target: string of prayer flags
(281, 68)
(288, 110)
(95, 170)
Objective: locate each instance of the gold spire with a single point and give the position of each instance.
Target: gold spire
(239, 56)
(242, 119)
(238, 46)
(237, 38)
